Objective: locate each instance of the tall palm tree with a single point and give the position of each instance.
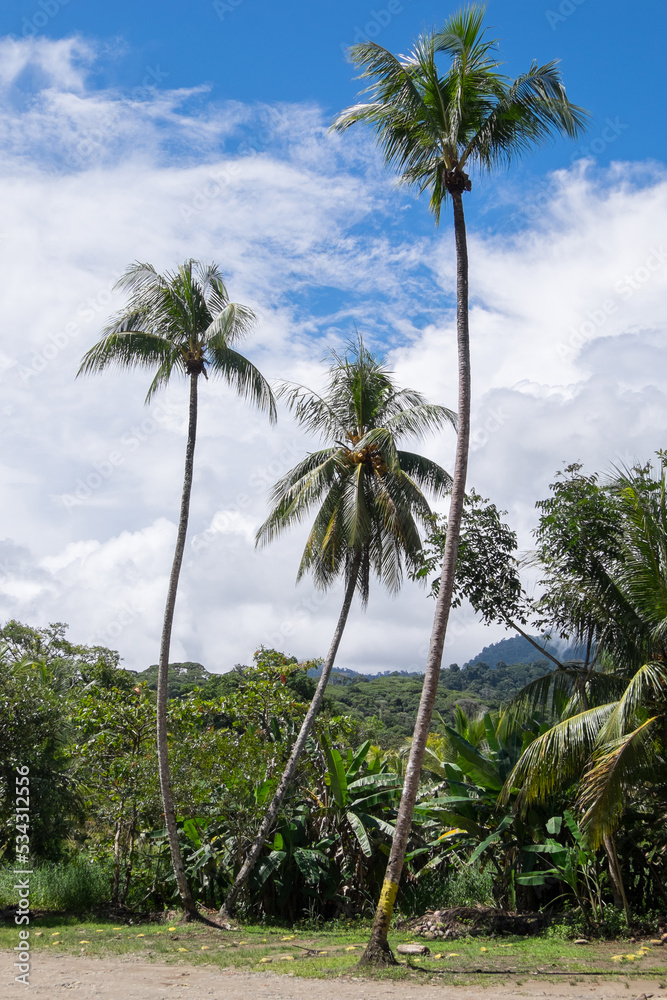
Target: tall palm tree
(433, 127)
(371, 500)
(180, 322)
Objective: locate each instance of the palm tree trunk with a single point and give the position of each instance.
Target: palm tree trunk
(543, 651)
(618, 889)
(163, 664)
(116, 855)
(229, 905)
(378, 950)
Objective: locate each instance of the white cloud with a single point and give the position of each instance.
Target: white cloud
(60, 64)
(305, 226)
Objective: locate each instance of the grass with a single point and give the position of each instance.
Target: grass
(325, 953)
(74, 887)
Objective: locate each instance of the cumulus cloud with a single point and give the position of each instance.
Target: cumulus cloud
(567, 325)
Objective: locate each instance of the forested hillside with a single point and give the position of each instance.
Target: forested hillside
(394, 699)
(386, 702)
(520, 650)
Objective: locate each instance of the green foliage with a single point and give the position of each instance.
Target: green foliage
(433, 125)
(575, 864)
(75, 886)
(325, 858)
(470, 763)
(519, 650)
(33, 735)
(181, 321)
(605, 553)
(393, 700)
(458, 884)
(369, 492)
(59, 663)
(183, 678)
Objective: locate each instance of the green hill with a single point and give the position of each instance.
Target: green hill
(388, 701)
(394, 699)
(519, 650)
(182, 676)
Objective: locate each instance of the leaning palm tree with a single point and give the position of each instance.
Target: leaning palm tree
(613, 736)
(370, 503)
(433, 127)
(182, 323)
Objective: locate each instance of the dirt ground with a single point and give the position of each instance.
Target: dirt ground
(130, 978)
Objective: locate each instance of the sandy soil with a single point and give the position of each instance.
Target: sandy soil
(130, 978)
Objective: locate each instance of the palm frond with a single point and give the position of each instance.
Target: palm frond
(229, 325)
(425, 473)
(311, 410)
(428, 124)
(126, 348)
(648, 687)
(180, 321)
(614, 770)
(555, 757)
(163, 374)
(295, 494)
(530, 111)
(420, 420)
(541, 695)
(242, 375)
(139, 275)
(370, 507)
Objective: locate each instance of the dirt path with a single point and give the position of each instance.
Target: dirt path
(130, 978)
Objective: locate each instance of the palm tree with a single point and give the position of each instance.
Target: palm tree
(180, 322)
(613, 736)
(370, 497)
(433, 127)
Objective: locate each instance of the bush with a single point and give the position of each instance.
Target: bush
(446, 886)
(75, 887)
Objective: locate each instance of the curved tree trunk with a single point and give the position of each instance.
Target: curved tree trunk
(163, 663)
(616, 876)
(229, 905)
(378, 950)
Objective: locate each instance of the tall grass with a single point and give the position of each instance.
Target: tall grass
(464, 885)
(76, 886)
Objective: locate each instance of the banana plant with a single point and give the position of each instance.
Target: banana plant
(476, 826)
(358, 792)
(296, 870)
(354, 807)
(574, 864)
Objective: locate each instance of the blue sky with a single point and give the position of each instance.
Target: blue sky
(611, 56)
(158, 131)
